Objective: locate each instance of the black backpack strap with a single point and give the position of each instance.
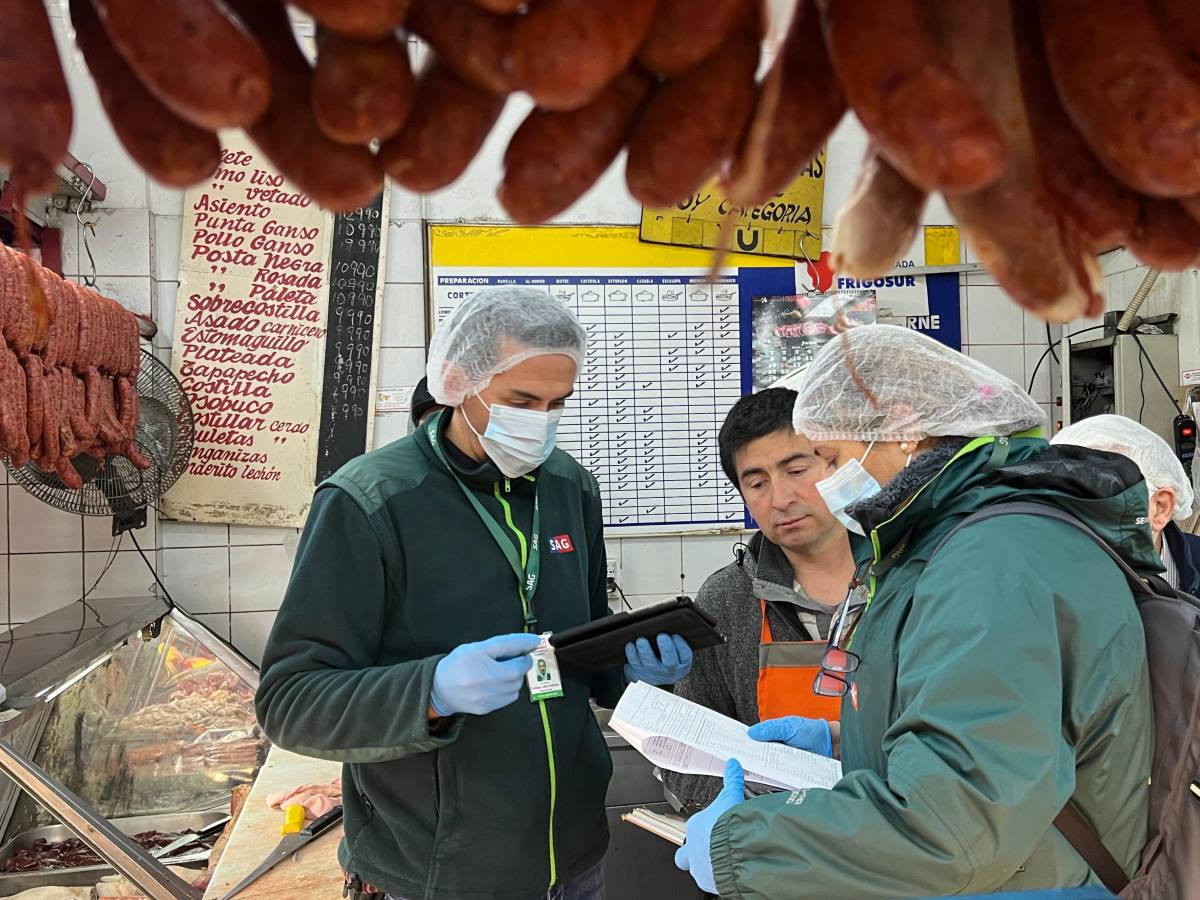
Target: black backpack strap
(1137, 582)
(1070, 822)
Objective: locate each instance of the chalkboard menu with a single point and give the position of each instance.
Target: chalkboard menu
(353, 280)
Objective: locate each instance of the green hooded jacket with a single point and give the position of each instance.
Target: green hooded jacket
(394, 570)
(997, 681)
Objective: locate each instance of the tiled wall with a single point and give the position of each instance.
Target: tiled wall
(233, 576)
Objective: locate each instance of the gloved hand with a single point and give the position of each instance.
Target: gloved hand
(673, 661)
(813, 735)
(695, 855)
(481, 677)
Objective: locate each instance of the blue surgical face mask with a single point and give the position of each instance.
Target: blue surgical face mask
(518, 440)
(849, 484)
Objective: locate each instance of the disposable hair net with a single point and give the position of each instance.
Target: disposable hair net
(886, 383)
(494, 330)
(1160, 466)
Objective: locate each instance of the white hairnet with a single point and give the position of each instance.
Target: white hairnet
(886, 383)
(494, 330)
(1160, 466)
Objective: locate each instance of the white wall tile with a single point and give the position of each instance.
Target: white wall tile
(258, 576)
(704, 554)
(992, 318)
(164, 201)
(1045, 387)
(167, 232)
(218, 623)
(97, 534)
(388, 427)
(252, 536)
(127, 576)
(42, 582)
(132, 292)
(651, 565)
(249, 631)
(3, 591)
(1008, 360)
(403, 316)
(637, 601)
(400, 367)
(198, 578)
(405, 252)
(121, 244)
(69, 229)
(3, 515)
(166, 297)
(36, 527)
(193, 534)
(403, 204)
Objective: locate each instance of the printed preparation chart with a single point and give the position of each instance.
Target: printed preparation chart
(669, 352)
(664, 365)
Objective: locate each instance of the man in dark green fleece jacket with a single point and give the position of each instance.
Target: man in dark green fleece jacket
(425, 573)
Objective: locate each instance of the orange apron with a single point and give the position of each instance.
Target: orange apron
(786, 672)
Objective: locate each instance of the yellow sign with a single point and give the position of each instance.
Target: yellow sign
(787, 225)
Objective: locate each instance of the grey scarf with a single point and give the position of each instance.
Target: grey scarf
(874, 511)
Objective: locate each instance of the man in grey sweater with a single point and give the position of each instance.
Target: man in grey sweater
(796, 570)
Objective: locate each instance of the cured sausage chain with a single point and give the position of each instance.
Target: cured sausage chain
(67, 388)
(1056, 129)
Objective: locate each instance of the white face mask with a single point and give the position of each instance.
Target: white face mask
(518, 440)
(849, 484)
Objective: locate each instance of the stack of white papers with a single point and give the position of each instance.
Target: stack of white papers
(669, 828)
(682, 736)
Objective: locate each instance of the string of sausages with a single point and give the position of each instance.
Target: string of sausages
(1054, 128)
(68, 388)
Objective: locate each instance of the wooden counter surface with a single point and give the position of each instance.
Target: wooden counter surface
(313, 873)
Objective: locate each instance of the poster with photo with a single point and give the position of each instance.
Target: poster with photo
(788, 331)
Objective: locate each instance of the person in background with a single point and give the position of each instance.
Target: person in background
(989, 680)
(1167, 484)
(407, 635)
(423, 405)
(776, 602)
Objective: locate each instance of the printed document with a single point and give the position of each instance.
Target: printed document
(683, 736)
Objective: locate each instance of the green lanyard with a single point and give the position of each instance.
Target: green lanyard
(526, 570)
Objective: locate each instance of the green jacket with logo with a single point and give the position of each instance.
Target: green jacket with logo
(394, 570)
(997, 681)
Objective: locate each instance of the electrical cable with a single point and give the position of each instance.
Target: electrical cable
(1141, 387)
(146, 560)
(1048, 350)
(1142, 354)
(613, 583)
(1050, 344)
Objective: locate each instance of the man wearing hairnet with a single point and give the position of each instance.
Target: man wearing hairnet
(405, 644)
(1167, 485)
(988, 681)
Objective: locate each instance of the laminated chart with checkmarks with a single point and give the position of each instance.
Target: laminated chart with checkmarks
(669, 352)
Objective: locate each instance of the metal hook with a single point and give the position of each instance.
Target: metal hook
(87, 227)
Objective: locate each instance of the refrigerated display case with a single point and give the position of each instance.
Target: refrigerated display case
(121, 717)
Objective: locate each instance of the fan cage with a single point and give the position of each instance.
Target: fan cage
(165, 434)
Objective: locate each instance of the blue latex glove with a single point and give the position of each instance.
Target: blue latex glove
(695, 855)
(672, 662)
(481, 677)
(812, 735)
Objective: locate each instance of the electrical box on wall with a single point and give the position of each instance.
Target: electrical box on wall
(1112, 374)
(1183, 297)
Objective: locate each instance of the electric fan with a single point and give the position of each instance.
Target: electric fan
(114, 486)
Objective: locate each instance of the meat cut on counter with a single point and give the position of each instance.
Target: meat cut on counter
(317, 799)
(73, 853)
(69, 364)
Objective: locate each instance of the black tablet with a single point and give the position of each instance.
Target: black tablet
(601, 644)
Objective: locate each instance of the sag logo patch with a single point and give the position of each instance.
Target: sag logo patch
(561, 544)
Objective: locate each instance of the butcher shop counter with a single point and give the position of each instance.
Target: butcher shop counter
(639, 866)
(124, 724)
